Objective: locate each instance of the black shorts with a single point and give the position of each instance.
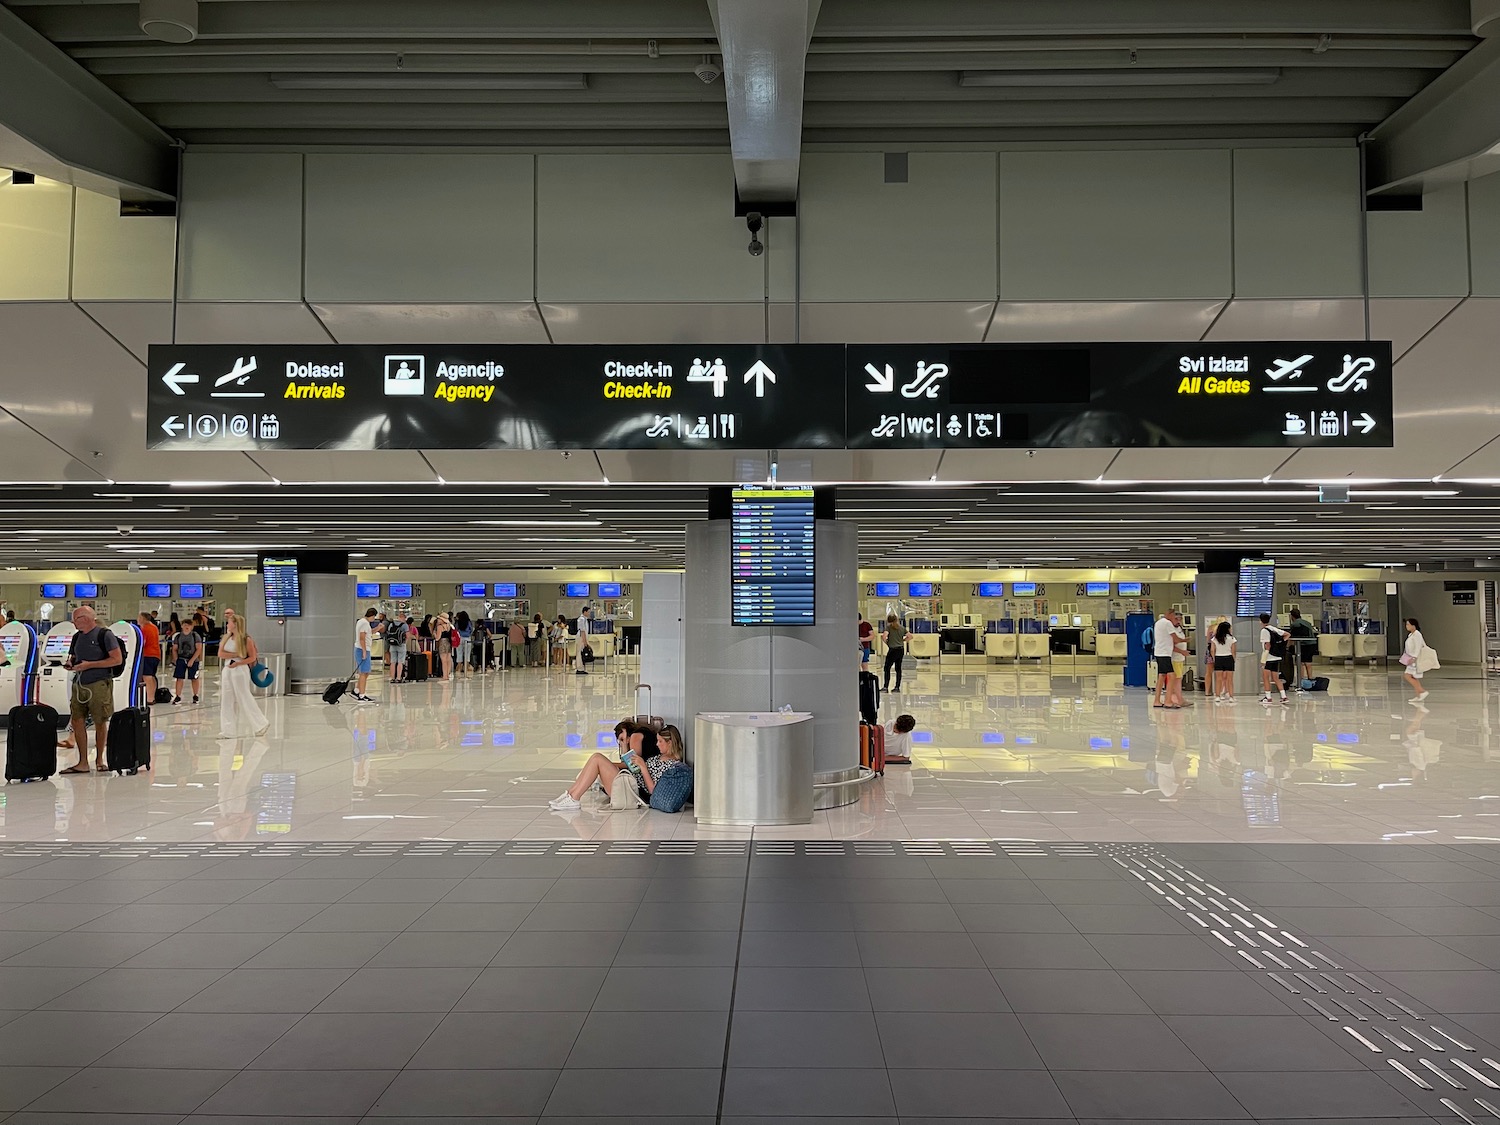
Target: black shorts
(1223, 664)
(1164, 665)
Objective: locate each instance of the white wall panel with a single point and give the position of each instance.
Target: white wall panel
(318, 466)
(32, 459)
(1296, 222)
(1021, 321)
(895, 322)
(248, 322)
(1405, 320)
(1421, 253)
(1114, 225)
(36, 223)
(642, 228)
(135, 324)
(460, 466)
(241, 217)
(1484, 236)
(931, 238)
(120, 258)
(1291, 320)
(429, 228)
(663, 323)
(671, 466)
(518, 323)
(959, 465)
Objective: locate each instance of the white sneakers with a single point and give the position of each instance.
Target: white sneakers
(1421, 695)
(563, 803)
(1226, 699)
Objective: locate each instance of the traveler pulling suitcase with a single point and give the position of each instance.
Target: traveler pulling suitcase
(872, 747)
(31, 744)
(337, 690)
(127, 744)
(869, 696)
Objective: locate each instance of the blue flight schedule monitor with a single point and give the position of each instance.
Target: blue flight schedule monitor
(772, 576)
(1257, 587)
(282, 580)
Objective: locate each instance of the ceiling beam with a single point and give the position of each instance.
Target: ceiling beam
(764, 45)
(1447, 133)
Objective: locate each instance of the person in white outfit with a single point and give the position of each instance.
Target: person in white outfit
(1410, 654)
(239, 714)
(585, 615)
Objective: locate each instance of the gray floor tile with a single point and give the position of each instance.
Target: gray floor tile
(1037, 951)
(973, 867)
(1145, 918)
(1277, 895)
(341, 867)
(1413, 953)
(652, 949)
(1013, 918)
(268, 990)
(1147, 1096)
(1482, 949)
(791, 1093)
(1160, 951)
(27, 988)
(1068, 990)
(416, 949)
(967, 891)
(916, 950)
(978, 1094)
(304, 890)
(1094, 892)
(320, 951)
(401, 890)
(358, 917)
(1225, 993)
(469, 1093)
(1264, 1043)
(460, 917)
(289, 1093)
(1338, 921)
(829, 948)
(201, 951)
(798, 916)
(695, 890)
(797, 1040)
(907, 917)
(692, 1039)
(1338, 1094)
(78, 950)
(1453, 992)
(1437, 921)
(531, 989)
(687, 916)
(220, 892)
(521, 1040)
(795, 989)
(932, 990)
(545, 949)
(22, 1085)
(117, 1090)
(258, 918)
(672, 1093)
(16, 941)
(691, 990)
(200, 1041)
(346, 1041)
(1107, 1042)
(56, 917)
(425, 867)
(136, 990)
(400, 990)
(1382, 895)
(593, 917)
(499, 890)
(72, 1038)
(1477, 893)
(953, 1041)
(597, 890)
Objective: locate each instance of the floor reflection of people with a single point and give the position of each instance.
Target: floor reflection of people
(1172, 761)
(234, 816)
(1422, 751)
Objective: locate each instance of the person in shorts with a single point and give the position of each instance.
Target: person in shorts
(92, 657)
(1224, 647)
(150, 653)
(1163, 649)
(395, 649)
(1270, 661)
(187, 654)
(364, 640)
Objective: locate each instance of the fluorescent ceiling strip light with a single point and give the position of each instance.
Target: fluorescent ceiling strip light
(418, 81)
(1263, 76)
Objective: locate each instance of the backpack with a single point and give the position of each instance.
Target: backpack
(1148, 638)
(119, 669)
(623, 794)
(395, 634)
(1278, 644)
(673, 789)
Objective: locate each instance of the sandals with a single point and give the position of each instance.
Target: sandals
(76, 769)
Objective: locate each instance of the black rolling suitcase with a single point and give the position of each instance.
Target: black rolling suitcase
(127, 744)
(336, 690)
(869, 696)
(417, 666)
(31, 743)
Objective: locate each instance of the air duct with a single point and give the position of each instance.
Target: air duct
(170, 21)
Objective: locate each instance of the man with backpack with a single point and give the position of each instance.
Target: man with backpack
(187, 654)
(1272, 650)
(395, 649)
(93, 656)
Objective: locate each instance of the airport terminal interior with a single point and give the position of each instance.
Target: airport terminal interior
(749, 561)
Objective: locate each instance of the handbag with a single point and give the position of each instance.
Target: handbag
(1407, 658)
(261, 676)
(673, 789)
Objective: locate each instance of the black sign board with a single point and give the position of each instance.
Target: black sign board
(783, 396)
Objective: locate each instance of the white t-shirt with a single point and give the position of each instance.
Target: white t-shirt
(1165, 638)
(363, 635)
(897, 745)
(1265, 640)
(1224, 647)
(1414, 644)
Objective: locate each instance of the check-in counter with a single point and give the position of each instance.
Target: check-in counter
(1336, 646)
(1033, 646)
(1369, 646)
(1002, 645)
(1110, 646)
(922, 645)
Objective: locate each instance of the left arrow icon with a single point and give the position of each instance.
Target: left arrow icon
(172, 426)
(175, 378)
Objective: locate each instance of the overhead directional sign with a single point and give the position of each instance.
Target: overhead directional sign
(786, 396)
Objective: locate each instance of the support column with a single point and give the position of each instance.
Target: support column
(319, 645)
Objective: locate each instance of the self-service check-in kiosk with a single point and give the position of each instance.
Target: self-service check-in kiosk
(18, 678)
(128, 682)
(52, 676)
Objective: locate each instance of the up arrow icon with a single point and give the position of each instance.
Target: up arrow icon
(884, 381)
(175, 378)
(762, 375)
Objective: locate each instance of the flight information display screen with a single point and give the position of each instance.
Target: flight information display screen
(1097, 589)
(158, 589)
(400, 589)
(85, 589)
(1257, 587)
(1310, 589)
(472, 589)
(1023, 589)
(887, 589)
(191, 590)
(609, 589)
(367, 589)
(283, 584)
(772, 570)
(1344, 589)
(54, 589)
(505, 589)
(919, 589)
(992, 589)
(579, 589)
(1130, 589)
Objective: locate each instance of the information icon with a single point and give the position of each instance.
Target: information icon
(405, 374)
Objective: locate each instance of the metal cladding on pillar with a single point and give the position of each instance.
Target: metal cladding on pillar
(812, 668)
(764, 43)
(319, 645)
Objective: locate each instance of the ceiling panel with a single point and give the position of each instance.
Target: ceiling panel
(248, 322)
(650, 323)
(28, 456)
(654, 466)
(1024, 465)
(1405, 320)
(1484, 464)
(515, 323)
(135, 324)
(346, 466)
(1101, 320)
(895, 322)
(1321, 319)
(458, 466)
(1195, 464)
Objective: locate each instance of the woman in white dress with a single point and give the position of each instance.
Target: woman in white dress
(239, 714)
(1411, 653)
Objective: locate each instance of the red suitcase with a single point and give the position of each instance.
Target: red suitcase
(872, 747)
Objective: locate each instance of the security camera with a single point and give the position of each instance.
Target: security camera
(1031, 453)
(567, 455)
(124, 530)
(755, 221)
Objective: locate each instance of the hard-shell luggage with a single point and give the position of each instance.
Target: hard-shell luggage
(872, 747)
(31, 743)
(418, 665)
(644, 717)
(336, 690)
(127, 744)
(869, 696)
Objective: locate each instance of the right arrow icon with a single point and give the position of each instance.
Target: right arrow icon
(1365, 423)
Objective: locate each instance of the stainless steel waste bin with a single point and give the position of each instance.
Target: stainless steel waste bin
(276, 662)
(753, 767)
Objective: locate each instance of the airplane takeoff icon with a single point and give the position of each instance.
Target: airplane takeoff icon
(1288, 368)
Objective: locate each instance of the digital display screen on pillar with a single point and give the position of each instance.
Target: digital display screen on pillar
(282, 579)
(367, 589)
(158, 589)
(1344, 589)
(772, 570)
(54, 589)
(505, 589)
(1310, 589)
(578, 590)
(400, 589)
(919, 589)
(85, 589)
(887, 589)
(992, 589)
(1130, 589)
(1096, 589)
(190, 590)
(1257, 593)
(472, 589)
(609, 589)
(1023, 589)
